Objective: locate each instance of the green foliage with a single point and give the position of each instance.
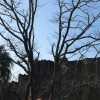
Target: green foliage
(5, 64)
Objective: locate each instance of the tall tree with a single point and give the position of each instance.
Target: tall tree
(74, 19)
(17, 23)
(5, 64)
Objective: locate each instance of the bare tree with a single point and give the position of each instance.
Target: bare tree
(17, 28)
(74, 19)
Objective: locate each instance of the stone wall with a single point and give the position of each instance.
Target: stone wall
(79, 80)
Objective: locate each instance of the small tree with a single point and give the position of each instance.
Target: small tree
(74, 20)
(5, 64)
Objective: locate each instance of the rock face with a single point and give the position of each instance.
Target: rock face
(80, 80)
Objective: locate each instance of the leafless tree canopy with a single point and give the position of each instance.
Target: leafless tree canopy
(75, 20)
(17, 28)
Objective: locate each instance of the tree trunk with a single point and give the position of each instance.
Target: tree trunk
(56, 82)
(32, 81)
(27, 91)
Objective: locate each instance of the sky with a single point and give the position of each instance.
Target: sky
(44, 30)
